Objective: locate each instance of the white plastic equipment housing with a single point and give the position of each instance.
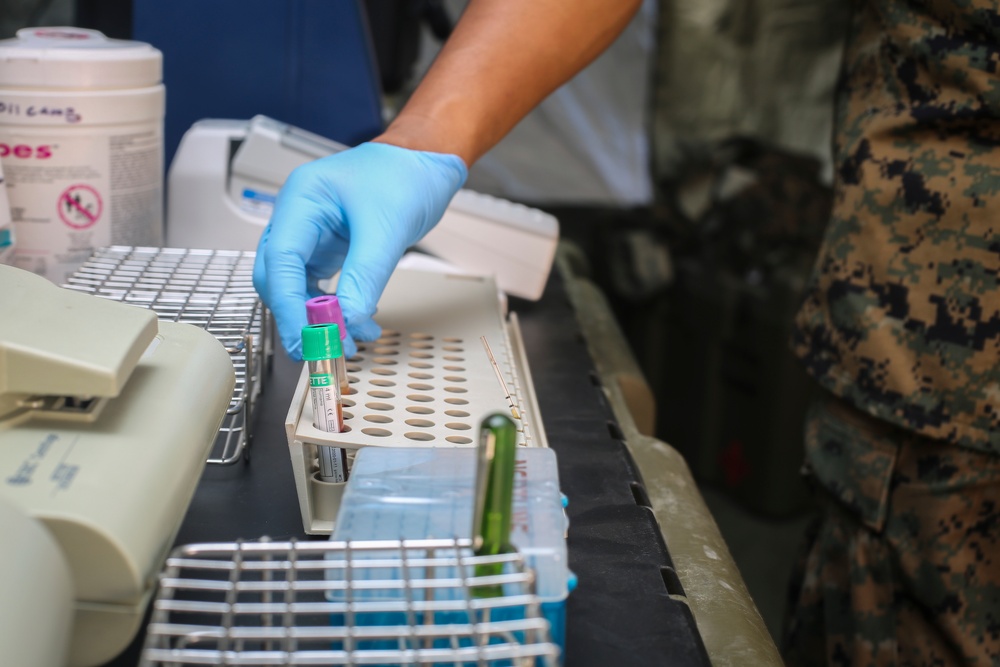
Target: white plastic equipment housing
(110, 482)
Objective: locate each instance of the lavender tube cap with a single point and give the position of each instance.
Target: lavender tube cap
(326, 310)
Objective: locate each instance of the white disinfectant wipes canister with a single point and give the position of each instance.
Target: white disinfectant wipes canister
(6, 226)
(81, 145)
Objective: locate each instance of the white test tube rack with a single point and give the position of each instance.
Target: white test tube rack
(427, 382)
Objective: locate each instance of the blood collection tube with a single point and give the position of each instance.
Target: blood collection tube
(326, 310)
(321, 347)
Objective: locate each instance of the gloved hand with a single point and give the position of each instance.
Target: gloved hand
(358, 210)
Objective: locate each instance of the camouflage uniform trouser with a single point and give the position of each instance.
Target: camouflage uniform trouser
(903, 567)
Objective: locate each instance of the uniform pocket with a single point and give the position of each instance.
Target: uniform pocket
(851, 456)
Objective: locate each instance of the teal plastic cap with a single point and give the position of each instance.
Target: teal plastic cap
(321, 341)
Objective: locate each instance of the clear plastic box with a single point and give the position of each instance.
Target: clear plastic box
(427, 493)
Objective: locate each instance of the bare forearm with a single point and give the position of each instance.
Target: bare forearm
(504, 57)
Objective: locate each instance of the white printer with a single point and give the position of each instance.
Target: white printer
(226, 174)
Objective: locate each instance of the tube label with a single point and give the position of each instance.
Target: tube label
(328, 415)
(332, 464)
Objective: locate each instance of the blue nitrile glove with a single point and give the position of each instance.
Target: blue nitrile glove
(359, 209)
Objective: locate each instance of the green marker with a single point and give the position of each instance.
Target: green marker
(494, 496)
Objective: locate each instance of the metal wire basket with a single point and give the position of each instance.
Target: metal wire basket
(212, 289)
(412, 602)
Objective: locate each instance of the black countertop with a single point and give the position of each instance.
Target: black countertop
(620, 613)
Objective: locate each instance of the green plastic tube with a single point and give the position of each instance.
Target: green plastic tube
(494, 495)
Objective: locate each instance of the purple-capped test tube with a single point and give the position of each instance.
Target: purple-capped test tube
(326, 310)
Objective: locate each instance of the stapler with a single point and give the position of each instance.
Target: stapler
(106, 418)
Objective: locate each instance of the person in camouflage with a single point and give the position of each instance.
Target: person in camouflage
(901, 327)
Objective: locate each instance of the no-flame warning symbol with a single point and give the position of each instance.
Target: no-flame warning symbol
(80, 206)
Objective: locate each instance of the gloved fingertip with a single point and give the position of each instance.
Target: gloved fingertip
(365, 329)
(293, 347)
(259, 274)
(350, 347)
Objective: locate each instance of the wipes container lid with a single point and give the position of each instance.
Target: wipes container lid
(76, 58)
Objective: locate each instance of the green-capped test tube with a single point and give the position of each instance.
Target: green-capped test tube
(321, 347)
(494, 495)
(325, 309)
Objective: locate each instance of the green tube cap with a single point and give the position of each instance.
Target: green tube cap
(321, 341)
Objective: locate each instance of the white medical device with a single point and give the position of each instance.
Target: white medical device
(106, 417)
(226, 174)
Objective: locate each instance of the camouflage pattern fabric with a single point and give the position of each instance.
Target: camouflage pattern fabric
(903, 568)
(902, 318)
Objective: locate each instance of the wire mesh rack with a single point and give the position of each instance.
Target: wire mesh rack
(411, 602)
(212, 289)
